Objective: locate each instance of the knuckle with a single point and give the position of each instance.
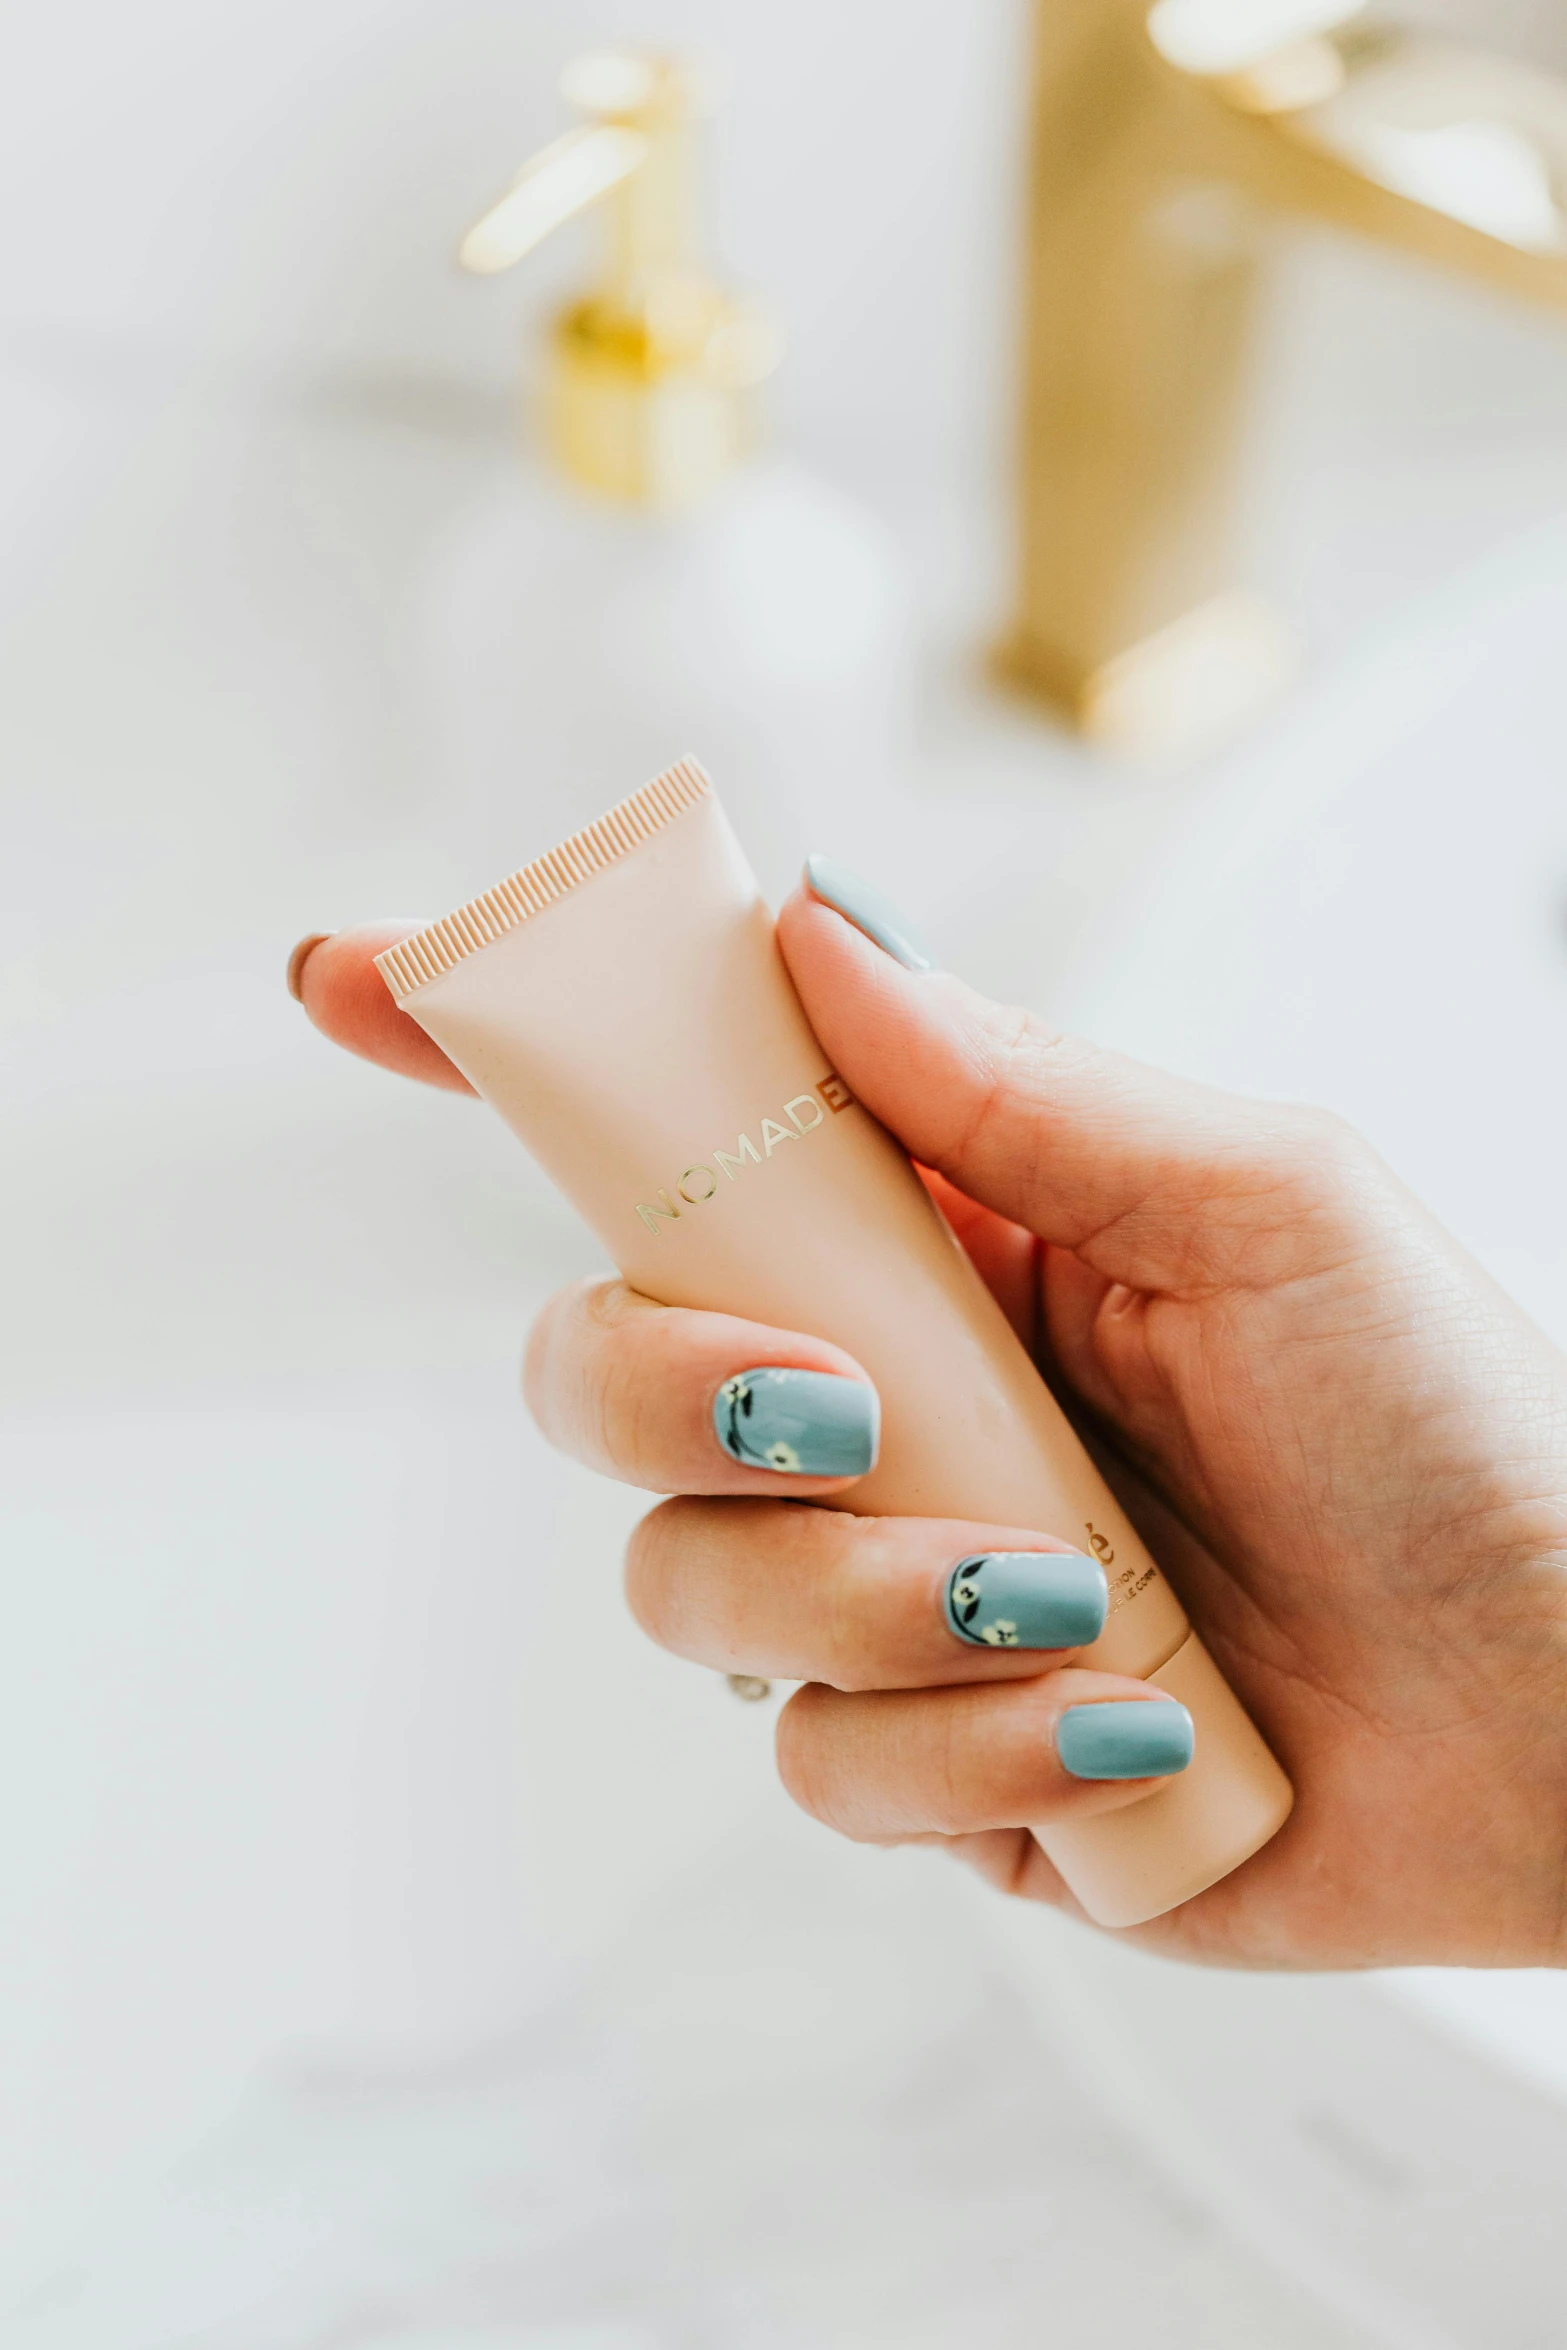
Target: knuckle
(1324, 1147)
(1295, 1191)
(989, 1756)
(616, 1371)
(556, 1367)
(950, 1801)
(858, 1596)
(1019, 1057)
(1325, 1168)
(539, 1363)
(614, 1405)
(804, 1749)
(652, 1578)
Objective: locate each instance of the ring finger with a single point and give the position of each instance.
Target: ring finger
(797, 1593)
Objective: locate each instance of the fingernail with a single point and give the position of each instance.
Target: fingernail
(1027, 1599)
(869, 911)
(299, 958)
(1140, 1738)
(806, 1423)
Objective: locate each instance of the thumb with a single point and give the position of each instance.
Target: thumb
(1151, 1180)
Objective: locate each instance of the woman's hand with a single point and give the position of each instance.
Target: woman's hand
(1345, 1445)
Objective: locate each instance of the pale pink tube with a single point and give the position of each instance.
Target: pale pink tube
(623, 1004)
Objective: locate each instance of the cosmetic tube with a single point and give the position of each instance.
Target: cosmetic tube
(624, 1005)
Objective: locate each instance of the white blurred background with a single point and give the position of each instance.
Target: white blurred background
(393, 1948)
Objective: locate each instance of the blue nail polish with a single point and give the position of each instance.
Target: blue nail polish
(869, 911)
(1027, 1599)
(805, 1423)
(1135, 1739)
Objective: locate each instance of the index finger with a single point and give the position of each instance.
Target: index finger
(333, 974)
(335, 978)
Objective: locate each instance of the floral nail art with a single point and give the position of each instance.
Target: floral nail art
(737, 1399)
(1027, 1599)
(966, 1598)
(802, 1423)
(740, 1397)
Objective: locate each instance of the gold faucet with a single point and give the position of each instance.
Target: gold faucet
(646, 390)
(1163, 139)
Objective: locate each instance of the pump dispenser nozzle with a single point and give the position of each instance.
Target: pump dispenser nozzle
(648, 373)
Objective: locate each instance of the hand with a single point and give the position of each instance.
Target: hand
(1345, 1445)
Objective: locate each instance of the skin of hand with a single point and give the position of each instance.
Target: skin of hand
(1344, 1444)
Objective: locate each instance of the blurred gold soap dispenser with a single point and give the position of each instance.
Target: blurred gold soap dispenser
(641, 582)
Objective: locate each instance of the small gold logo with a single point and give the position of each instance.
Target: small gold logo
(801, 1115)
